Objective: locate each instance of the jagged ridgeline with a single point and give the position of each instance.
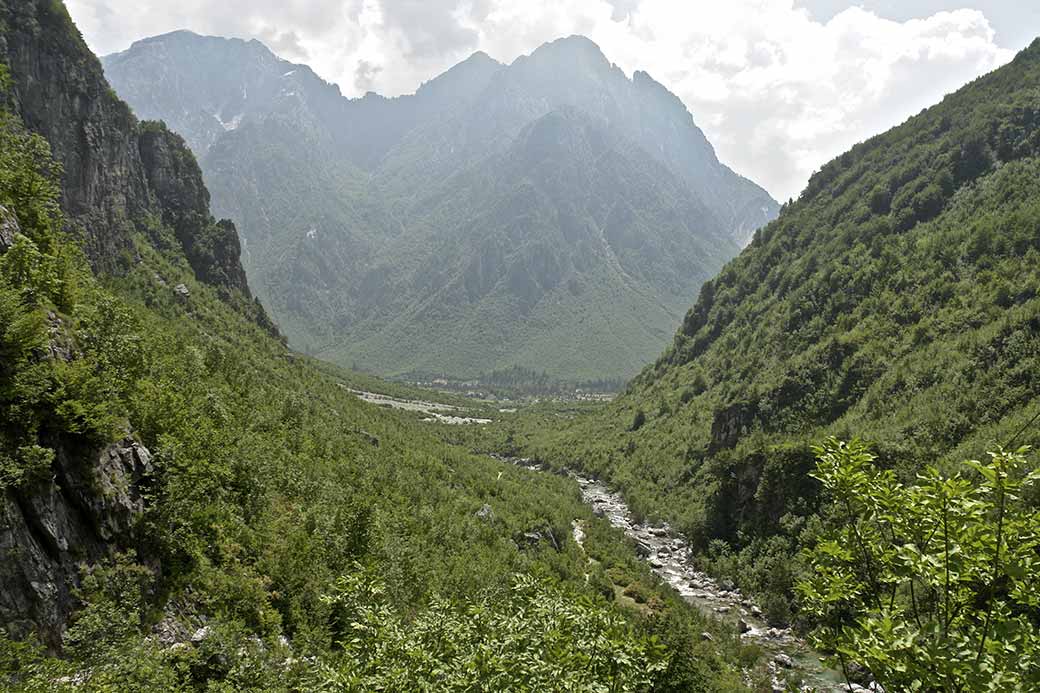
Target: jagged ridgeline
(188, 506)
(895, 300)
(550, 215)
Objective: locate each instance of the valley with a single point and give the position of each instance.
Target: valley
(504, 384)
(441, 413)
(793, 661)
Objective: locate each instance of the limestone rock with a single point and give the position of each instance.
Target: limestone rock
(8, 228)
(85, 512)
(119, 174)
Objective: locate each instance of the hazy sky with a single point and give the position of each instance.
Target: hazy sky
(779, 86)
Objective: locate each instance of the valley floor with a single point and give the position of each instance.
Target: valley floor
(788, 658)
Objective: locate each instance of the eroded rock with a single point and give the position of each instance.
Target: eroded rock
(86, 511)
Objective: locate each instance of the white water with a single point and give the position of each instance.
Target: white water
(669, 557)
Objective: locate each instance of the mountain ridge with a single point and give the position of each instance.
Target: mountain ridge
(344, 209)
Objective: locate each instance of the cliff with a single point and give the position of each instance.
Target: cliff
(118, 173)
(123, 183)
(51, 530)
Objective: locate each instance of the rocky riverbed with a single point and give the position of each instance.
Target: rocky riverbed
(670, 558)
(441, 413)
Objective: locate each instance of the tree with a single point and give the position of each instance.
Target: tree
(931, 586)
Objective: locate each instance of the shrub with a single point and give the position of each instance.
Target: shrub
(931, 586)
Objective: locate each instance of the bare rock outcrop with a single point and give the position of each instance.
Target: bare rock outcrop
(86, 511)
(8, 228)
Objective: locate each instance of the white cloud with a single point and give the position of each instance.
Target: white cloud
(776, 91)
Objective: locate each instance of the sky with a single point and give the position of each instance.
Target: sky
(779, 87)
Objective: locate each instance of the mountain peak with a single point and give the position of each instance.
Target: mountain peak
(480, 57)
(176, 35)
(574, 47)
(507, 155)
(464, 78)
(186, 39)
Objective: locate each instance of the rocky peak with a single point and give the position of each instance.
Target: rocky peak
(462, 80)
(8, 228)
(64, 97)
(575, 49)
(117, 172)
(212, 248)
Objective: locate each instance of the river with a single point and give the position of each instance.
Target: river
(791, 659)
(666, 552)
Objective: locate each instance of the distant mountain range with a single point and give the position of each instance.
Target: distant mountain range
(551, 214)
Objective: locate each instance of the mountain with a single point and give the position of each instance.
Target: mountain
(390, 233)
(126, 189)
(894, 301)
(186, 505)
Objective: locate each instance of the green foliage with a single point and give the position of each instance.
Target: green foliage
(272, 481)
(26, 464)
(29, 179)
(110, 361)
(25, 266)
(39, 270)
(930, 586)
(534, 638)
(104, 641)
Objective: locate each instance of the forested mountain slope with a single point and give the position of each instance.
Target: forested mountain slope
(361, 219)
(187, 505)
(895, 301)
(575, 233)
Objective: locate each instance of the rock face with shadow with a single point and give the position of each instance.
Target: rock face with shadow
(52, 529)
(119, 173)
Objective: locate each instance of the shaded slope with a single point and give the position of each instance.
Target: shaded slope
(579, 251)
(118, 175)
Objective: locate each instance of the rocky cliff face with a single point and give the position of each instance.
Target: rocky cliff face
(119, 177)
(117, 172)
(212, 248)
(51, 530)
(59, 90)
(8, 228)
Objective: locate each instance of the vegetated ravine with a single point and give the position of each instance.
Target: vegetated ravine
(669, 556)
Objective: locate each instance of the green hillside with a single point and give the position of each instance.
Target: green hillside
(574, 234)
(894, 301)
